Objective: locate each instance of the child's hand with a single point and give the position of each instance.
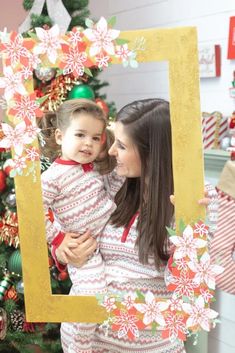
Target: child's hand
(75, 249)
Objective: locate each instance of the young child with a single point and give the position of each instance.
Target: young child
(79, 196)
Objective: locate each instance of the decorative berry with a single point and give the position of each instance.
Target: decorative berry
(2, 181)
(62, 276)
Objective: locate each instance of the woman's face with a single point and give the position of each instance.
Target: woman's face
(126, 153)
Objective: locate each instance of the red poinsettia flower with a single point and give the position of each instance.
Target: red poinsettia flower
(175, 326)
(17, 49)
(127, 323)
(25, 107)
(75, 59)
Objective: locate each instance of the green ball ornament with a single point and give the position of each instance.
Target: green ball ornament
(81, 91)
(14, 263)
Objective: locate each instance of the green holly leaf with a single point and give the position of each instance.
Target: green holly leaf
(154, 328)
(170, 231)
(88, 71)
(120, 41)
(112, 21)
(140, 295)
(89, 23)
(182, 226)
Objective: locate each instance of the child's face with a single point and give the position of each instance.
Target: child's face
(81, 141)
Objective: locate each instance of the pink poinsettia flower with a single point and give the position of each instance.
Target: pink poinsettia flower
(152, 310)
(50, 42)
(175, 327)
(199, 315)
(26, 107)
(129, 300)
(175, 303)
(32, 154)
(12, 82)
(34, 61)
(201, 229)
(187, 245)
(26, 72)
(206, 294)
(109, 303)
(15, 137)
(127, 323)
(31, 131)
(14, 50)
(102, 60)
(122, 52)
(205, 271)
(19, 163)
(182, 264)
(102, 38)
(75, 36)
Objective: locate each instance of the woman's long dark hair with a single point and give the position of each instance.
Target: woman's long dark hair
(147, 123)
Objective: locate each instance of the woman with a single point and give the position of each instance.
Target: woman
(134, 243)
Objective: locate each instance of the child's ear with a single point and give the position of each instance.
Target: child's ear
(58, 136)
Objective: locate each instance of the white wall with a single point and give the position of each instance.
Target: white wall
(211, 17)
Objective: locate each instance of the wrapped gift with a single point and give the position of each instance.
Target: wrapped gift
(214, 129)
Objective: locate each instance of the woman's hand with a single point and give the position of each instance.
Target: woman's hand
(205, 201)
(75, 249)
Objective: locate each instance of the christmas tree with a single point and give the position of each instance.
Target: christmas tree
(16, 334)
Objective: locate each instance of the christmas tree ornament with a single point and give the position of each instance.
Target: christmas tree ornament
(10, 200)
(17, 319)
(11, 293)
(3, 177)
(5, 283)
(9, 229)
(7, 167)
(45, 74)
(225, 143)
(20, 287)
(81, 91)
(15, 264)
(102, 105)
(62, 276)
(3, 323)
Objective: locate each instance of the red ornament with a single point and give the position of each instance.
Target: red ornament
(232, 121)
(102, 105)
(11, 293)
(3, 184)
(7, 167)
(62, 276)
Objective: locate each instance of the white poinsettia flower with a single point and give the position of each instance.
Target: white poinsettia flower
(109, 303)
(187, 245)
(199, 314)
(129, 300)
(152, 310)
(12, 82)
(102, 38)
(205, 271)
(16, 137)
(50, 42)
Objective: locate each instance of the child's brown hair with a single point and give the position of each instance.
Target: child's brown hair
(61, 120)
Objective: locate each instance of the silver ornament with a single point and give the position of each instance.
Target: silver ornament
(11, 200)
(20, 287)
(225, 143)
(45, 73)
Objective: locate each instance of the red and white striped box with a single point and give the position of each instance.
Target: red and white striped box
(214, 129)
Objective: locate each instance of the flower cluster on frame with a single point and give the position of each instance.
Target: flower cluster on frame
(74, 52)
(189, 276)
